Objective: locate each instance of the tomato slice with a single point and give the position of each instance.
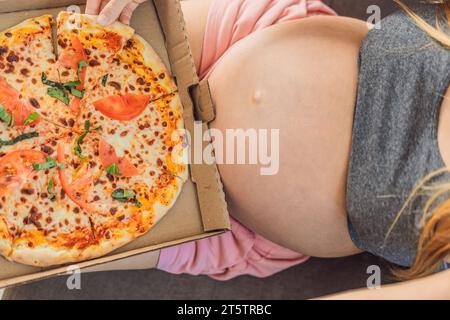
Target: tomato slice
(123, 108)
(126, 168)
(17, 166)
(107, 154)
(71, 56)
(82, 78)
(108, 157)
(75, 105)
(14, 104)
(77, 190)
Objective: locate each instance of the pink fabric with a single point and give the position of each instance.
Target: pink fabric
(232, 20)
(223, 257)
(241, 251)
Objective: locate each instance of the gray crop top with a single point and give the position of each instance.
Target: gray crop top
(402, 79)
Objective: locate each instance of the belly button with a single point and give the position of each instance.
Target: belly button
(257, 97)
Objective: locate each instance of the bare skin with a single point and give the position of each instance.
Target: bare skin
(310, 97)
(111, 10)
(304, 74)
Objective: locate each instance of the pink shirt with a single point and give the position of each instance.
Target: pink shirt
(240, 251)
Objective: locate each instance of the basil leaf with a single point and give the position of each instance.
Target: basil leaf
(19, 138)
(122, 195)
(77, 150)
(81, 64)
(130, 194)
(58, 90)
(119, 195)
(49, 164)
(49, 82)
(59, 94)
(87, 127)
(51, 192)
(113, 169)
(6, 117)
(31, 118)
(77, 93)
(71, 84)
(105, 80)
(59, 85)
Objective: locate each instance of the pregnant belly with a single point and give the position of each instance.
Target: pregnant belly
(300, 78)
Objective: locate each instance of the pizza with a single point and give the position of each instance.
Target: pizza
(91, 143)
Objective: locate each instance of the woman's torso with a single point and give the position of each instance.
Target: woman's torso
(301, 78)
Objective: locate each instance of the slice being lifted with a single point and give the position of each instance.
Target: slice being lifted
(86, 49)
(81, 37)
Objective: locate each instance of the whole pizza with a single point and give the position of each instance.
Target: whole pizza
(89, 139)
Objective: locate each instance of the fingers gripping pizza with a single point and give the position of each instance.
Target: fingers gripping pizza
(88, 138)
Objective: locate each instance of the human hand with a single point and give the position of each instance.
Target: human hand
(112, 10)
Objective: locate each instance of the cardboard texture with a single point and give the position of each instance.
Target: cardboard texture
(200, 211)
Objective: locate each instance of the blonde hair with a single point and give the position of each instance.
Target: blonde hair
(434, 241)
(435, 32)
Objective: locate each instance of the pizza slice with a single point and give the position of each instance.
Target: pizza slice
(81, 39)
(27, 100)
(135, 73)
(123, 197)
(86, 50)
(42, 225)
(126, 150)
(126, 173)
(147, 73)
(117, 197)
(139, 130)
(25, 51)
(22, 120)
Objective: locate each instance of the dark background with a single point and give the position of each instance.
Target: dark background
(314, 278)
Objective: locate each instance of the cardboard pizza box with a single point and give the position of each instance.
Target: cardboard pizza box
(201, 210)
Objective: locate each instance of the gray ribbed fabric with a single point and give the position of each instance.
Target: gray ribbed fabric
(403, 77)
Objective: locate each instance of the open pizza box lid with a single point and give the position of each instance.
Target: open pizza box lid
(200, 210)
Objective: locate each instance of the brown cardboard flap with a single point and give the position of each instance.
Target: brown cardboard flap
(178, 47)
(206, 177)
(180, 55)
(27, 278)
(201, 96)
